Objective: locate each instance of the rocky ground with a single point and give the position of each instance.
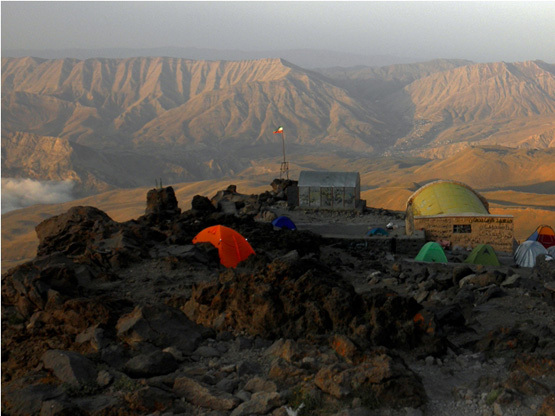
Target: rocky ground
(133, 319)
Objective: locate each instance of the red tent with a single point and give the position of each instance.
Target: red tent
(545, 235)
(232, 246)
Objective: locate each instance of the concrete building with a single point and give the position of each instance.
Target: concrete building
(452, 211)
(330, 190)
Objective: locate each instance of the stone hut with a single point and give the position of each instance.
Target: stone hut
(452, 211)
(330, 190)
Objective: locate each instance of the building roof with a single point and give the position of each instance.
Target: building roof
(446, 197)
(329, 179)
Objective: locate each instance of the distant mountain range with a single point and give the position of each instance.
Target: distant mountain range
(123, 122)
(306, 58)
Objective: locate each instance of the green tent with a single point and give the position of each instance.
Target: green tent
(483, 254)
(432, 253)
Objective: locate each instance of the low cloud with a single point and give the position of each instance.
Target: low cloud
(21, 193)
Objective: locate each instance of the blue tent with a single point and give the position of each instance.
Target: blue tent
(284, 222)
(377, 231)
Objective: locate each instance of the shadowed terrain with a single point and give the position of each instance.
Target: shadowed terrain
(138, 317)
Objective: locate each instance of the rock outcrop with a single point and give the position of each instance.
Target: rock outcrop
(132, 318)
(294, 298)
(162, 203)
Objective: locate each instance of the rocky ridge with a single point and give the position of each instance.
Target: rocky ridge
(131, 318)
(194, 120)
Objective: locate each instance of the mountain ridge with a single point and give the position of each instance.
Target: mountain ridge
(307, 58)
(189, 113)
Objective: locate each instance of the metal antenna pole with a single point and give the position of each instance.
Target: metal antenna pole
(284, 165)
(283, 142)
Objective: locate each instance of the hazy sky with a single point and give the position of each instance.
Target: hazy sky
(480, 31)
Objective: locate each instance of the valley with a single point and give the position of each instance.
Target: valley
(115, 126)
(496, 172)
(120, 123)
(277, 208)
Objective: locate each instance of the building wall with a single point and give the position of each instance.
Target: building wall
(328, 197)
(468, 231)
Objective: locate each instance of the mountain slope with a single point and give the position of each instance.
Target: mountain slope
(481, 167)
(206, 119)
(376, 82)
(166, 101)
(26, 155)
(497, 91)
(307, 58)
(489, 167)
(385, 183)
(442, 105)
(499, 103)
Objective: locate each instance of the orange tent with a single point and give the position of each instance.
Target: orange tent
(232, 246)
(545, 235)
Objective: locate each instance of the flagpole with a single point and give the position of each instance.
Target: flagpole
(284, 165)
(283, 141)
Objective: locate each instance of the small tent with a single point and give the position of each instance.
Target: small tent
(545, 235)
(377, 231)
(232, 246)
(483, 254)
(284, 222)
(431, 252)
(526, 253)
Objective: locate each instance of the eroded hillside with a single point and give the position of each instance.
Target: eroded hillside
(123, 122)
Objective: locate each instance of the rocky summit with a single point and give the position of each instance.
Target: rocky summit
(132, 318)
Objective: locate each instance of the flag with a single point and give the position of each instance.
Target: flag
(279, 130)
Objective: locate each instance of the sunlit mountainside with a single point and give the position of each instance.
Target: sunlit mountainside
(192, 120)
(143, 102)
(307, 58)
(442, 106)
(109, 124)
(526, 190)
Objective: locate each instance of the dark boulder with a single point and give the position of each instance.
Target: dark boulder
(202, 204)
(284, 299)
(390, 319)
(89, 236)
(296, 298)
(21, 399)
(160, 325)
(280, 185)
(459, 272)
(382, 379)
(149, 365)
(73, 231)
(545, 268)
(149, 400)
(162, 203)
(507, 342)
(451, 317)
(27, 286)
(70, 367)
(45, 282)
(201, 394)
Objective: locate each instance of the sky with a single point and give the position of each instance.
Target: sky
(480, 31)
